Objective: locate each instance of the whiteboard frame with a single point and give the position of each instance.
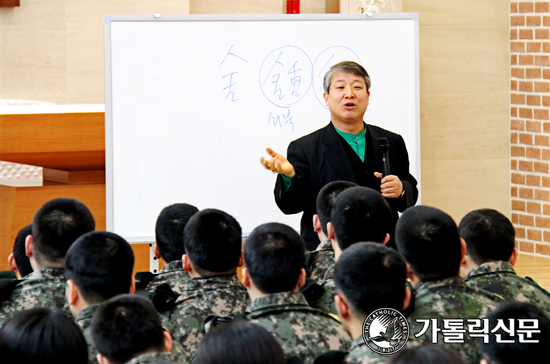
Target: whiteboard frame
(109, 19)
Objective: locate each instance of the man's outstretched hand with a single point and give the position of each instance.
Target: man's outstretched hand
(278, 164)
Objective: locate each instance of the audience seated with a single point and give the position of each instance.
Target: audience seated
(239, 342)
(18, 260)
(359, 214)
(490, 258)
(213, 245)
(368, 276)
(514, 346)
(169, 246)
(127, 329)
(273, 274)
(322, 259)
(42, 335)
(56, 225)
(428, 239)
(98, 266)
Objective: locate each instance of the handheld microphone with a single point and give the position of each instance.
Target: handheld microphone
(383, 147)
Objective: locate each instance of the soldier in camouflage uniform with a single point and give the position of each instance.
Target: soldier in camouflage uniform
(273, 273)
(56, 225)
(212, 254)
(428, 239)
(322, 259)
(98, 266)
(360, 214)
(127, 329)
(491, 255)
(169, 246)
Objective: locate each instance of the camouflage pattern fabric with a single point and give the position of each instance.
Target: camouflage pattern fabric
(501, 278)
(321, 260)
(328, 279)
(45, 288)
(220, 296)
(152, 357)
(450, 298)
(84, 321)
(360, 353)
(173, 274)
(302, 331)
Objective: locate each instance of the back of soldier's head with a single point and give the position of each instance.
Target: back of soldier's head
(360, 214)
(371, 276)
(326, 198)
(100, 264)
(428, 239)
(518, 349)
(239, 342)
(56, 225)
(213, 241)
(169, 230)
(19, 254)
(489, 235)
(274, 256)
(126, 326)
(42, 335)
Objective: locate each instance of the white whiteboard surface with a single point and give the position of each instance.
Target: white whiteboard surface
(193, 101)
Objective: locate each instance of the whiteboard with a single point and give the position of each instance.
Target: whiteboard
(193, 101)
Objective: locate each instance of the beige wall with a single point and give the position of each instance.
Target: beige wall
(464, 104)
(52, 50)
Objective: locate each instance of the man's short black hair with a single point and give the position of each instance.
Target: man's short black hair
(126, 326)
(213, 241)
(326, 198)
(100, 264)
(19, 253)
(371, 276)
(360, 214)
(489, 236)
(274, 256)
(56, 225)
(428, 239)
(42, 335)
(516, 352)
(169, 230)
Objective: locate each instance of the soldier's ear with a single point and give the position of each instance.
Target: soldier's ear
(241, 259)
(316, 223)
(186, 263)
(342, 307)
(330, 231)
(407, 301)
(462, 248)
(302, 278)
(156, 251)
(246, 277)
(168, 341)
(71, 292)
(28, 246)
(11, 263)
(386, 239)
(102, 360)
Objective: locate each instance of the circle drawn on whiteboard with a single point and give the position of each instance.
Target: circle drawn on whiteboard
(326, 59)
(285, 76)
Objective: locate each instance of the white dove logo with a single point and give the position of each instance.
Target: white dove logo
(386, 331)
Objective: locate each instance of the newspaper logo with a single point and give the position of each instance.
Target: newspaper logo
(386, 331)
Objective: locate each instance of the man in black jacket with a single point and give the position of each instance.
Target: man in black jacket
(343, 150)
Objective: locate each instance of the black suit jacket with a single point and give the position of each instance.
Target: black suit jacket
(320, 157)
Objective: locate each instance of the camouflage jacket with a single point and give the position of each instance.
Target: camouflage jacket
(302, 331)
(450, 298)
(45, 288)
(321, 260)
(173, 274)
(360, 353)
(84, 321)
(328, 279)
(501, 278)
(220, 296)
(153, 357)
